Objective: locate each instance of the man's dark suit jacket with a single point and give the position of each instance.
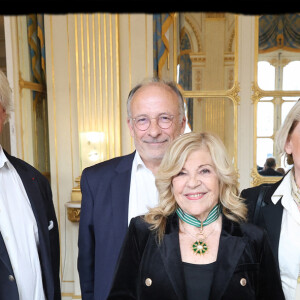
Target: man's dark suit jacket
(103, 223)
(245, 267)
(270, 215)
(40, 196)
(270, 172)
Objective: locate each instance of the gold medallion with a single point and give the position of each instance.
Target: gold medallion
(200, 247)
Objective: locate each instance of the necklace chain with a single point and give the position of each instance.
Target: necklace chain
(201, 233)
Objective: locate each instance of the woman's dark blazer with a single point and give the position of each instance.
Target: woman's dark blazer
(269, 216)
(147, 270)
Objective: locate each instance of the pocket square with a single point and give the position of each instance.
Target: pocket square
(50, 225)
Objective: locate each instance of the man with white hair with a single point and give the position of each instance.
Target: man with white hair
(29, 238)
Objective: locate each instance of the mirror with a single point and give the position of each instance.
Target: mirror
(207, 73)
(277, 87)
(214, 115)
(206, 51)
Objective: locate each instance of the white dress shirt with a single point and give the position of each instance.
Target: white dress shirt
(20, 233)
(143, 193)
(289, 242)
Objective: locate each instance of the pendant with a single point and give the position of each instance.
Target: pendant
(199, 247)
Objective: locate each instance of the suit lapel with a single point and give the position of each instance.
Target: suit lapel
(4, 255)
(231, 247)
(120, 187)
(31, 185)
(272, 217)
(170, 253)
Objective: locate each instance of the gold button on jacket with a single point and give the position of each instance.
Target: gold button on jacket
(243, 282)
(148, 282)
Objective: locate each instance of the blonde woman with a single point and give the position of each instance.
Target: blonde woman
(195, 243)
(277, 207)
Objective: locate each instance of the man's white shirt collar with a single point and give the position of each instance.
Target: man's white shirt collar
(4, 160)
(138, 162)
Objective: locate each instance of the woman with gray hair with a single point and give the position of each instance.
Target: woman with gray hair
(277, 207)
(195, 244)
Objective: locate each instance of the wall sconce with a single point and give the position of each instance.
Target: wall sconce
(92, 148)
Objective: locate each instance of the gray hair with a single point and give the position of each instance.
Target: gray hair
(153, 81)
(5, 95)
(285, 131)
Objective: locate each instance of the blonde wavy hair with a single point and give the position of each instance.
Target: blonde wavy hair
(285, 131)
(174, 159)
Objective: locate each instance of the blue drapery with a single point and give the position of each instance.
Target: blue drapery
(279, 32)
(185, 73)
(161, 24)
(36, 43)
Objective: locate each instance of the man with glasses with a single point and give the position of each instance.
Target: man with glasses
(116, 190)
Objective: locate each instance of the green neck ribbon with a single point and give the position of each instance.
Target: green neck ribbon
(212, 216)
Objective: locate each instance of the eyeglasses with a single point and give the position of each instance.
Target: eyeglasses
(164, 121)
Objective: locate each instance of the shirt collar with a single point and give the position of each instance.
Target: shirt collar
(138, 162)
(283, 190)
(4, 162)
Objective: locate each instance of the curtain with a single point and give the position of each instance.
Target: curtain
(36, 43)
(161, 24)
(185, 72)
(279, 32)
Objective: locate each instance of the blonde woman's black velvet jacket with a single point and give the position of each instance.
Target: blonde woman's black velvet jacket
(146, 270)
